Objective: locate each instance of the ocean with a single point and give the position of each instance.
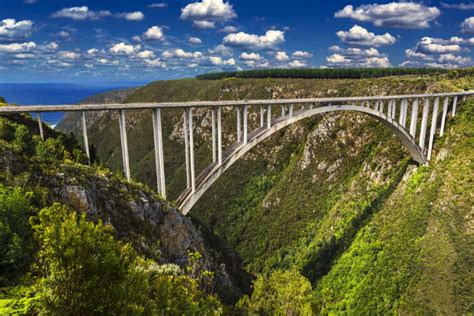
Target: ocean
(55, 93)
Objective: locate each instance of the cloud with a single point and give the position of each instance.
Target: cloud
(146, 54)
(229, 29)
(429, 45)
(159, 5)
(204, 25)
(452, 59)
(297, 64)
(154, 62)
(356, 57)
(124, 49)
(468, 25)
(154, 33)
(68, 55)
(244, 40)
(250, 56)
(358, 35)
(11, 29)
(80, 13)
(281, 56)
(194, 40)
(30, 1)
(93, 51)
(208, 10)
(407, 15)
(131, 16)
(459, 6)
(180, 53)
(17, 47)
(301, 54)
(218, 61)
(52, 46)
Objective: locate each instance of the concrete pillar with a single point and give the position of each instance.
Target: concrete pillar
(394, 109)
(191, 150)
(159, 155)
(84, 135)
(400, 115)
(219, 135)
(455, 103)
(414, 118)
(269, 116)
(262, 115)
(381, 106)
(290, 110)
(283, 111)
(186, 146)
(124, 142)
(405, 112)
(40, 125)
(434, 119)
(424, 123)
(311, 106)
(245, 119)
(239, 126)
(214, 134)
(443, 118)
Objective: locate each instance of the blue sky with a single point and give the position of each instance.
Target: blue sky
(143, 40)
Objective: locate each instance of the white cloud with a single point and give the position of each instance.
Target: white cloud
(194, 40)
(408, 15)
(229, 29)
(218, 61)
(429, 45)
(208, 10)
(11, 29)
(68, 55)
(52, 46)
(17, 47)
(452, 59)
(468, 25)
(122, 48)
(30, 1)
(222, 50)
(132, 16)
(244, 40)
(459, 6)
(301, 54)
(64, 34)
(180, 53)
(250, 56)
(159, 5)
(356, 57)
(204, 25)
(154, 62)
(24, 56)
(297, 64)
(154, 33)
(146, 54)
(80, 13)
(413, 54)
(358, 35)
(281, 56)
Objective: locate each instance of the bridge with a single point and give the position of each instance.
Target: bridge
(400, 113)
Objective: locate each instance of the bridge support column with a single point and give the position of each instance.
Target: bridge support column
(269, 116)
(434, 120)
(245, 120)
(186, 146)
(239, 125)
(401, 117)
(214, 138)
(443, 118)
(381, 106)
(393, 109)
(159, 155)
(414, 118)
(290, 110)
(455, 102)
(40, 125)
(124, 142)
(424, 123)
(262, 116)
(219, 135)
(283, 112)
(191, 149)
(84, 135)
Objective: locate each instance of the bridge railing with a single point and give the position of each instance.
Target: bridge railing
(402, 110)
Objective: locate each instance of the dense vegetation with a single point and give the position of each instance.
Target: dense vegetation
(323, 73)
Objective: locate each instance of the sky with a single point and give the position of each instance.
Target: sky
(144, 40)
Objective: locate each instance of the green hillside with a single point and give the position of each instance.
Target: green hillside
(332, 197)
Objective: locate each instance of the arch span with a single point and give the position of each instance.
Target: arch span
(204, 181)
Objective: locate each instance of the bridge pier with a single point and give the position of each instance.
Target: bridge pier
(245, 121)
(283, 112)
(40, 125)
(269, 116)
(191, 149)
(424, 123)
(455, 102)
(239, 125)
(262, 116)
(159, 155)
(414, 117)
(443, 117)
(434, 120)
(214, 132)
(124, 142)
(219, 135)
(84, 135)
(290, 110)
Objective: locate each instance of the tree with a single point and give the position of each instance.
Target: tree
(280, 293)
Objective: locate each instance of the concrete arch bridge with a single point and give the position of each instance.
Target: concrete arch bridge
(414, 119)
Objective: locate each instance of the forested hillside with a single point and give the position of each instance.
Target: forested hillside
(334, 201)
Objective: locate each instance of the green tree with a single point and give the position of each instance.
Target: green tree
(280, 293)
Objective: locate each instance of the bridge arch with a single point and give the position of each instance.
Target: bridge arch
(205, 180)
